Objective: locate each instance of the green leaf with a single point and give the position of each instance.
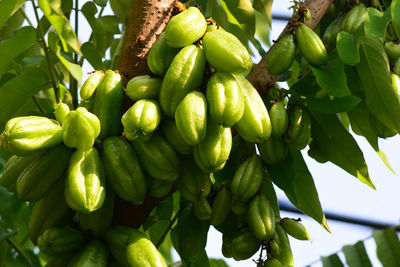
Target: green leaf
(11, 48)
(240, 12)
(28, 84)
(93, 56)
(336, 144)
(264, 7)
(294, 178)
(8, 8)
(334, 105)
(89, 10)
(62, 26)
(101, 3)
(395, 11)
(12, 25)
(375, 77)
(74, 69)
(376, 23)
(263, 18)
(387, 247)
(110, 24)
(331, 261)
(356, 255)
(347, 47)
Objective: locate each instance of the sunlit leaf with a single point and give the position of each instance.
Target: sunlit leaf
(376, 23)
(347, 47)
(395, 11)
(332, 105)
(8, 8)
(89, 10)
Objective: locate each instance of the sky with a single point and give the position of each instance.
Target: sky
(339, 192)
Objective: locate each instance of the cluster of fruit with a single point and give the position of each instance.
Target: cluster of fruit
(174, 134)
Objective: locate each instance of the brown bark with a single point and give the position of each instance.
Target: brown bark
(146, 20)
(259, 76)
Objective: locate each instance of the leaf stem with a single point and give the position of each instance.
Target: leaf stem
(169, 228)
(47, 53)
(25, 16)
(19, 250)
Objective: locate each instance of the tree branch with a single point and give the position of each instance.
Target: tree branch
(259, 76)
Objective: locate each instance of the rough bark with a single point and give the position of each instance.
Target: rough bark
(146, 20)
(259, 76)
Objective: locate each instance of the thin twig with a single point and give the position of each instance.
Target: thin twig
(19, 250)
(169, 228)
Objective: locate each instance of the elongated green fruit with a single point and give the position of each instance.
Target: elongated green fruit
(174, 138)
(91, 84)
(354, 19)
(184, 75)
(284, 253)
(85, 184)
(192, 182)
(50, 211)
(225, 99)
(248, 178)
(97, 222)
(212, 154)
(279, 119)
(332, 31)
(26, 135)
(273, 150)
(158, 158)
(185, 28)
(392, 50)
(58, 240)
(242, 245)
(159, 188)
(255, 124)
(272, 262)
(61, 260)
(261, 217)
(295, 229)
(141, 120)
(14, 166)
(107, 104)
(117, 240)
(202, 209)
(299, 129)
(160, 55)
(221, 206)
(311, 46)
(226, 53)
(282, 55)
(61, 111)
(94, 254)
(191, 118)
(123, 170)
(143, 87)
(43, 173)
(141, 252)
(80, 129)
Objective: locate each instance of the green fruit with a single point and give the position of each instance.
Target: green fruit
(185, 28)
(261, 217)
(212, 154)
(88, 104)
(50, 211)
(80, 129)
(242, 245)
(279, 119)
(255, 124)
(221, 206)
(158, 158)
(143, 87)
(281, 55)
(61, 111)
(97, 222)
(61, 260)
(189, 236)
(185, 74)
(311, 46)
(40, 176)
(141, 120)
(295, 229)
(272, 262)
(273, 150)
(117, 240)
(141, 252)
(159, 188)
(192, 182)
(191, 118)
(94, 254)
(202, 209)
(91, 84)
(354, 19)
(174, 138)
(58, 240)
(85, 184)
(247, 179)
(299, 129)
(160, 55)
(226, 53)
(225, 99)
(107, 104)
(392, 50)
(26, 135)
(284, 254)
(380, 129)
(123, 170)
(332, 31)
(13, 168)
